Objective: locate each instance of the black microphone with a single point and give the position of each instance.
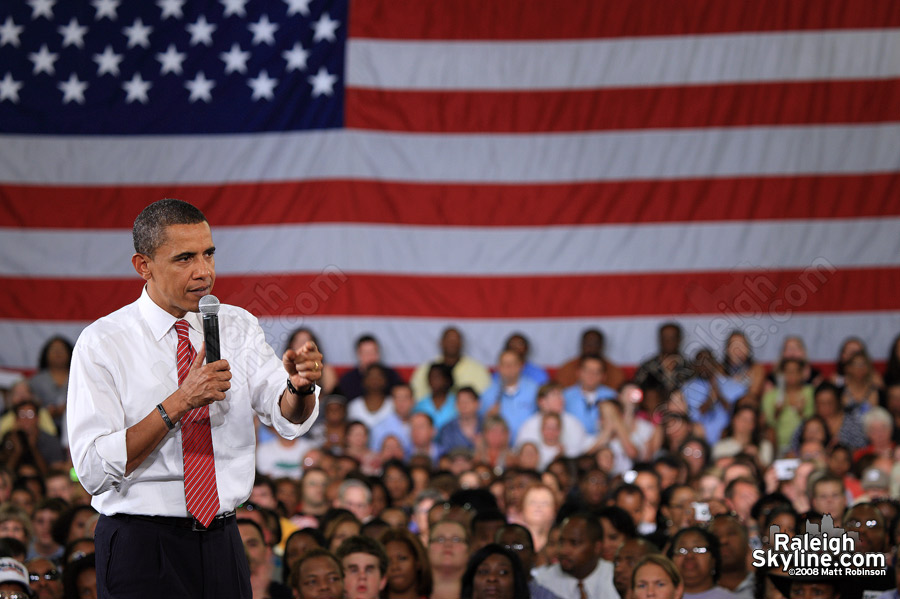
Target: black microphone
(209, 308)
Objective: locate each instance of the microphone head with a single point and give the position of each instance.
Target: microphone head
(209, 305)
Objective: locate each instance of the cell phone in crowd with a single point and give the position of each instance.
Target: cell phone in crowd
(786, 468)
(701, 511)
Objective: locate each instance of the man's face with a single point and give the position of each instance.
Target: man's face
(362, 578)
(633, 503)
(669, 340)
(733, 542)
(467, 405)
(869, 523)
(367, 354)
(314, 484)
(182, 270)
(553, 402)
(590, 374)
(42, 522)
(451, 343)
(258, 553)
(355, 500)
(829, 498)
(46, 579)
(578, 555)
(483, 533)
(403, 401)
(262, 496)
(61, 487)
(510, 367)
(320, 578)
(623, 564)
(745, 495)
(649, 484)
(13, 529)
(421, 431)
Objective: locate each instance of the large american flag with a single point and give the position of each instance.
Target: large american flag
(395, 166)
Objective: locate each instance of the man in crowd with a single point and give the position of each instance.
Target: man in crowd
(580, 573)
(365, 567)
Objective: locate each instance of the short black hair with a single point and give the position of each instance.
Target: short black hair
(620, 520)
(149, 230)
(591, 525)
(363, 544)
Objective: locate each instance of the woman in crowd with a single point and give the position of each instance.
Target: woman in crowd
(862, 384)
(740, 366)
(618, 527)
(744, 435)
(842, 427)
(676, 505)
(495, 572)
(786, 408)
(794, 347)
(409, 570)
(448, 550)
(51, 382)
(343, 526)
(356, 445)
(695, 552)
(538, 512)
(656, 577)
(296, 545)
(850, 346)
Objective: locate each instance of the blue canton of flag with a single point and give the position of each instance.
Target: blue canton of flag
(171, 66)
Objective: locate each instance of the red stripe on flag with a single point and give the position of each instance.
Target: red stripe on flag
(847, 290)
(694, 200)
(539, 19)
(736, 105)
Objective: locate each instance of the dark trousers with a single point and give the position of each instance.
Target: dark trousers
(142, 559)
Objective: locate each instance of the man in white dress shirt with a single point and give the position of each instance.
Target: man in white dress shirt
(580, 573)
(165, 443)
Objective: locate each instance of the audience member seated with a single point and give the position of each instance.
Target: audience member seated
(669, 367)
(466, 371)
(511, 396)
(741, 368)
(593, 341)
(519, 343)
(375, 404)
(368, 352)
(464, 430)
(584, 398)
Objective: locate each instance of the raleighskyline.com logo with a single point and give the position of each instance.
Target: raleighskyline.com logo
(821, 551)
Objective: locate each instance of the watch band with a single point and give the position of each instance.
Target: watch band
(310, 388)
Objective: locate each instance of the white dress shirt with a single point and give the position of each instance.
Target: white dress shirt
(598, 584)
(124, 365)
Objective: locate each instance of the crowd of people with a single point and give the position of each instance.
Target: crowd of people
(511, 481)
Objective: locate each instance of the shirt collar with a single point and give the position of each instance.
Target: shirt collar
(161, 321)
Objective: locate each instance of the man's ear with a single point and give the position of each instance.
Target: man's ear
(141, 265)
(383, 583)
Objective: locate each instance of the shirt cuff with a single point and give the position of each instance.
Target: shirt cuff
(113, 454)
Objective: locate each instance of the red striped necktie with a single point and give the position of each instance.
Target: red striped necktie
(200, 491)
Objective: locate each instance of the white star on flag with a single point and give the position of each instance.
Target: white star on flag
(325, 28)
(73, 89)
(41, 8)
(235, 60)
(201, 32)
(171, 60)
(9, 89)
(263, 31)
(43, 61)
(171, 8)
(263, 86)
(136, 89)
(200, 88)
(138, 34)
(108, 62)
(73, 34)
(296, 58)
(296, 7)
(106, 8)
(10, 32)
(322, 82)
(235, 7)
